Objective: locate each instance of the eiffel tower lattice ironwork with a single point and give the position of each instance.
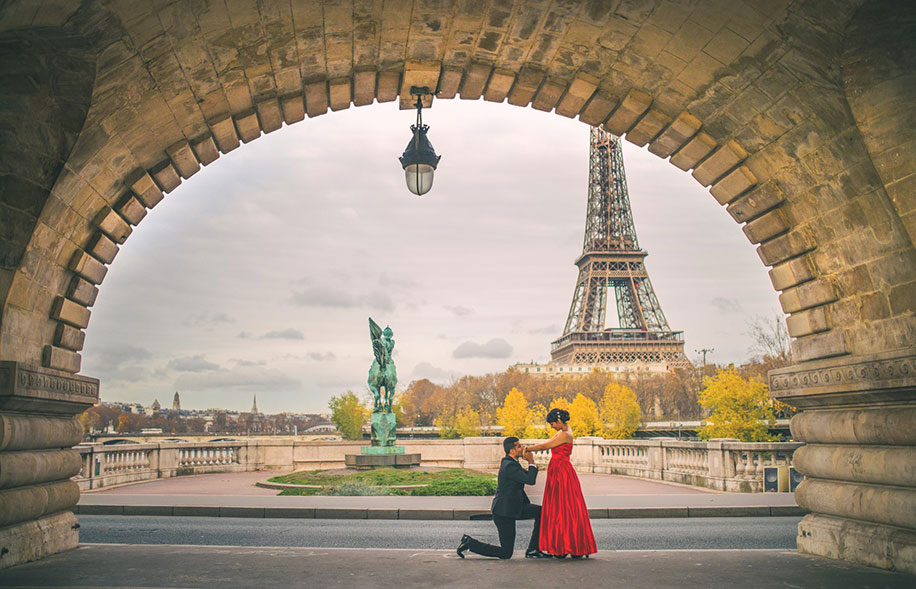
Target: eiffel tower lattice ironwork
(612, 265)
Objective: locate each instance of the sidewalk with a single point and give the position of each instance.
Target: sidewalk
(119, 565)
(234, 495)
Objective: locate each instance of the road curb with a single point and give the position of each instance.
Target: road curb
(428, 514)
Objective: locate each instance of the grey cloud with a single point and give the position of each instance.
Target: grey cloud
(322, 296)
(322, 356)
(118, 355)
(243, 335)
(427, 370)
(724, 305)
(290, 333)
(459, 311)
(249, 362)
(377, 300)
(552, 329)
(192, 364)
(206, 320)
(244, 378)
(495, 348)
(328, 296)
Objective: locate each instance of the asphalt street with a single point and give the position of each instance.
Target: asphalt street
(712, 533)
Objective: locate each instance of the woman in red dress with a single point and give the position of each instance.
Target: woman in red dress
(565, 527)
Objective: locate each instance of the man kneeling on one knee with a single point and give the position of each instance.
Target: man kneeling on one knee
(510, 504)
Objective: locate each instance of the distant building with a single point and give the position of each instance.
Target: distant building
(154, 408)
(552, 369)
(176, 402)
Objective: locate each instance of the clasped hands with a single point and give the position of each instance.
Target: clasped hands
(528, 455)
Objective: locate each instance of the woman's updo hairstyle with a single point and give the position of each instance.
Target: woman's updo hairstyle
(558, 415)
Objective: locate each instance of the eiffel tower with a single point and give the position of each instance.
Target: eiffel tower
(612, 264)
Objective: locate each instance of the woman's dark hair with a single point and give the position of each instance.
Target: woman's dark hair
(558, 415)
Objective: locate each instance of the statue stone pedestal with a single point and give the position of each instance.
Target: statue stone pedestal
(382, 453)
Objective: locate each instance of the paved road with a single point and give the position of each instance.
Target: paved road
(636, 534)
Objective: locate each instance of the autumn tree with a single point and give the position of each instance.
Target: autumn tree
(583, 417)
(124, 424)
(740, 408)
(559, 403)
(537, 427)
(513, 416)
(465, 423)
(348, 414)
(619, 411)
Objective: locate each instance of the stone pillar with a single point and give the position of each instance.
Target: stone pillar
(859, 426)
(38, 429)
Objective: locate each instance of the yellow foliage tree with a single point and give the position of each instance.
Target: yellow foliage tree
(513, 415)
(559, 403)
(537, 423)
(349, 415)
(619, 411)
(462, 424)
(583, 417)
(740, 408)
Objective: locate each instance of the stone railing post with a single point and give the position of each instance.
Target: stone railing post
(168, 459)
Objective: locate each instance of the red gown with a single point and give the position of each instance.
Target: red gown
(565, 527)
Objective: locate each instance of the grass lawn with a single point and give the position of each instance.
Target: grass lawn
(453, 481)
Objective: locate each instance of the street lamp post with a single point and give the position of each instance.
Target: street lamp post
(419, 160)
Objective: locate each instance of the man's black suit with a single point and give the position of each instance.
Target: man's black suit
(511, 504)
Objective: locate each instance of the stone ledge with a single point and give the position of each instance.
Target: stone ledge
(29, 388)
(847, 381)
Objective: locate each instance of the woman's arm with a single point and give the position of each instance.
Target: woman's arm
(559, 439)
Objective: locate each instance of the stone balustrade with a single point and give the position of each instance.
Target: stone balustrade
(725, 465)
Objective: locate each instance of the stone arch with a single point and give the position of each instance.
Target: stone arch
(755, 105)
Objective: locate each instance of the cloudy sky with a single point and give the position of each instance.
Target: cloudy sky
(258, 274)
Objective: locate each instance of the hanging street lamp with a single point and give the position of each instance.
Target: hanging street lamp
(419, 160)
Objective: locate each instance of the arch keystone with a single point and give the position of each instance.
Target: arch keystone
(388, 84)
(69, 337)
(805, 296)
(269, 115)
(526, 86)
(578, 93)
(681, 129)
(316, 98)
(103, 249)
(808, 322)
(82, 291)
(548, 95)
(205, 150)
(88, 267)
(224, 133)
(791, 273)
(183, 158)
(694, 151)
(247, 126)
(734, 185)
(293, 108)
(721, 161)
(363, 88)
(766, 226)
(648, 127)
(598, 109)
(131, 210)
(70, 312)
(112, 225)
(146, 190)
(166, 176)
(340, 93)
(61, 359)
(419, 73)
(475, 80)
(500, 84)
(633, 105)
